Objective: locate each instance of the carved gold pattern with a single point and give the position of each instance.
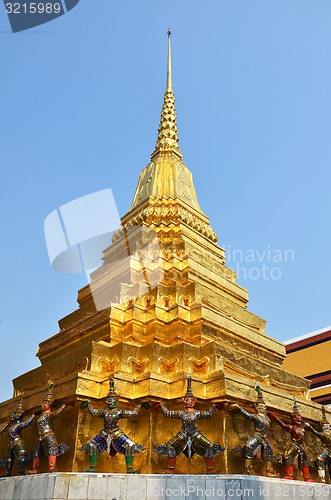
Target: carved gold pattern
(172, 308)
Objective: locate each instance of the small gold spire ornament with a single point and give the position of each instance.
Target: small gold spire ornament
(169, 68)
(167, 139)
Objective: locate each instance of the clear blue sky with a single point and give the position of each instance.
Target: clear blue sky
(80, 105)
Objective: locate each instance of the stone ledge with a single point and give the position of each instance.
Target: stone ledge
(98, 486)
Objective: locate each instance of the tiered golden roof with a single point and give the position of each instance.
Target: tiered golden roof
(163, 305)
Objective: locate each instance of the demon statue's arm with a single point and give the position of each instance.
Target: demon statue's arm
(131, 413)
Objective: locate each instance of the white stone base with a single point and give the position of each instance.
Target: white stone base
(94, 486)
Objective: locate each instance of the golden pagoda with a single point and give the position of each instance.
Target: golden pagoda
(161, 307)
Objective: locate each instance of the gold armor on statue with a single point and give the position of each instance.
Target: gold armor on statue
(46, 443)
(297, 447)
(189, 440)
(111, 438)
(323, 459)
(259, 441)
(16, 448)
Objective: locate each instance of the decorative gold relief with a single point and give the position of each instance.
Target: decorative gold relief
(168, 366)
(170, 310)
(138, 365)
(200, 366)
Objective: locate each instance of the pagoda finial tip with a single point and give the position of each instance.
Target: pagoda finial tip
(169, 70)
(167, 139)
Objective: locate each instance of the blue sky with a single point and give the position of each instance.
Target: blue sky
(80, 106)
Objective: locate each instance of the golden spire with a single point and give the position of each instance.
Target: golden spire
(167, 139)
(169, 69)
